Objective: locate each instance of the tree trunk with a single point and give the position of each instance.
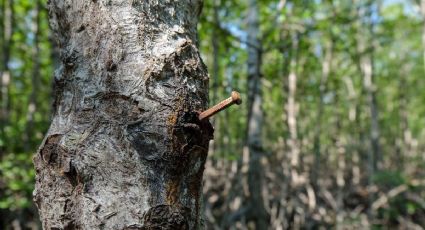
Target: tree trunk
(339, 143)
(35, 79)
(215, 65)
(367, 63)
(257, 212)
(422, 6)
(404, 138)
(366, 50)
(292, 110)
(326, 71)
(7, 27)
(125, 149)
(353, 117)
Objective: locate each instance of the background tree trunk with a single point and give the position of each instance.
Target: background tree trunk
(326, 71)
(125, 149)
(35, 80)
(291, 111)
(257, 212)
(7, 27)
(366, 62)
(215, 66)
(422, 7)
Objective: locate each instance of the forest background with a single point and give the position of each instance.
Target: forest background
(340, 94)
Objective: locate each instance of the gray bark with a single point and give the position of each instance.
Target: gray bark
(365, 49)
(292, 111)
(369, 81)
(125, 149)
(326, 71)
(404, 139)
(257, 212)
(422, 7)
(35, 79)
(7, 31)
(215, 65)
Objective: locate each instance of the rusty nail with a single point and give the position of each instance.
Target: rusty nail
(235, 98)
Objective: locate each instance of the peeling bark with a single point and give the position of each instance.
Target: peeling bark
(125, 149)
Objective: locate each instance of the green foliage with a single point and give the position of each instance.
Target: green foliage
(25, 102)
(392, 32)
(17, 183)
(389, 179)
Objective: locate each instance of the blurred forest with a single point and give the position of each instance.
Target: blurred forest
(330, 134)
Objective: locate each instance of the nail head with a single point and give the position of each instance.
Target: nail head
(236, 97)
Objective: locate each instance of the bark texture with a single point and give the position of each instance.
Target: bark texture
(125, 149)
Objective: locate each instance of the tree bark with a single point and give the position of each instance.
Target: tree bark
(367, 63)
(422, 7)
(35, 79)
(8, 29)
(257, 212)
(402, 142)
(365, 49)
(326, 71)
(292, 110)
(215, 65)
(125, 149)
